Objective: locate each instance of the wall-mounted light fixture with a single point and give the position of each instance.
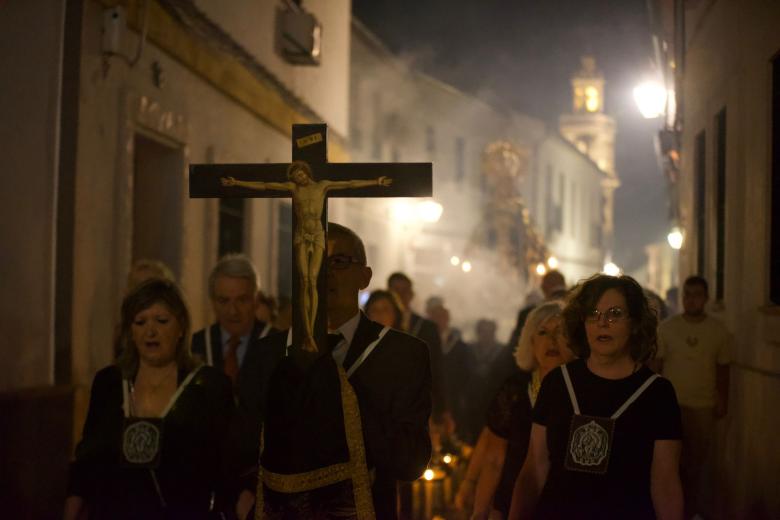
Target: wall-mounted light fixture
(298, 35)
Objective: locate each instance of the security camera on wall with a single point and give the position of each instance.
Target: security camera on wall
(114, 29)
(298, 35)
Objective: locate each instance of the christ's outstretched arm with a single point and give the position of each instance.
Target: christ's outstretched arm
(258, 185)
(340, 185)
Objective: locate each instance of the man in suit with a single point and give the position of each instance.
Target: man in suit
(310, 425)
(426, 330)
(457, 363)
(224, 344)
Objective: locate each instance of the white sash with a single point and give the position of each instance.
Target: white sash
(359, 361)
(127, 389)
(265, 331)
(619, 412)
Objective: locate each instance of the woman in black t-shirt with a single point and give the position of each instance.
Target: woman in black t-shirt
(605, 439)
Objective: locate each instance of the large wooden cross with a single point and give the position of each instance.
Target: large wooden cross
(310, 179)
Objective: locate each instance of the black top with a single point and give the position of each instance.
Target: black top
(426, 330)
(624, 491)
(190, 466)
(456, 369)
(509, 417)
(484, 387)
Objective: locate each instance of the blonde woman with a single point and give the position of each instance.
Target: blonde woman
(503, 442)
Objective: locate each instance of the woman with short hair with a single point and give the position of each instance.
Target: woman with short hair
(153, 437)
(503, 442)
(605, 439)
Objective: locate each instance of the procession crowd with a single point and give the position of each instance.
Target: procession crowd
(601, 404)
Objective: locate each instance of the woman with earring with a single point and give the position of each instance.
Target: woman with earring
(605, 438)
(153, 438)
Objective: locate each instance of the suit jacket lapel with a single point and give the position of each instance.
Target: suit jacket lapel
(415, 324)
(257, 328)
(366, 332)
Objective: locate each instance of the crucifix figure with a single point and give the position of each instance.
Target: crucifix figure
(308, 180)
(308, 197)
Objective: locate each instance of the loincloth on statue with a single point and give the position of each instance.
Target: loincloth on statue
(316, 239)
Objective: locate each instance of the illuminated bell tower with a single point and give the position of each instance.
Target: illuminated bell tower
(593, 133)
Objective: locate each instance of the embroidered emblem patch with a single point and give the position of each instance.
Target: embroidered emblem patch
(590, 443)
(141, 442)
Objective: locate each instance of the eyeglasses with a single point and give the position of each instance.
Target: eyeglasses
(342, 261)
(612, 314)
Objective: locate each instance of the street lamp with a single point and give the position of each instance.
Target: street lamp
(541, 270)
(611, 269)
(429, 211)
(552, 262)
(402, 211)
(405, 211)
(466, 266)
(650, 98)
(455, 261)
(675, 238)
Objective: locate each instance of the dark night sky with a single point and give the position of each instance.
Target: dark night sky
(523, 52)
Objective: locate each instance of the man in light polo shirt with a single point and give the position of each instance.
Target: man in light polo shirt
(694, 353)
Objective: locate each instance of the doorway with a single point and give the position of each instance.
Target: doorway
(158, 184)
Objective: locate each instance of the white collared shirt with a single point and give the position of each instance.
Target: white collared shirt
(347, 330)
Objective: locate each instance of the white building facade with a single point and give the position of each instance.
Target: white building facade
(399, 114)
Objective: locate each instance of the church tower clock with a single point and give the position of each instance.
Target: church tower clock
(593, 133)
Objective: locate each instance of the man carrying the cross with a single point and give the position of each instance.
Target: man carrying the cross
(344, 424)
(309, 238)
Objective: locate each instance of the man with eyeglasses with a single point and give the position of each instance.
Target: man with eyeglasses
(694, 354)
(310, 467)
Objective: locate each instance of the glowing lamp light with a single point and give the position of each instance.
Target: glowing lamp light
(650, 98)
(455, 261)
(447, 459)
(552, 262)
(611, 269)
(428, 475)
(466, 266)
(402, 211)
(541, 270)
(592, 101)
(675, 238)
(429, 211)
